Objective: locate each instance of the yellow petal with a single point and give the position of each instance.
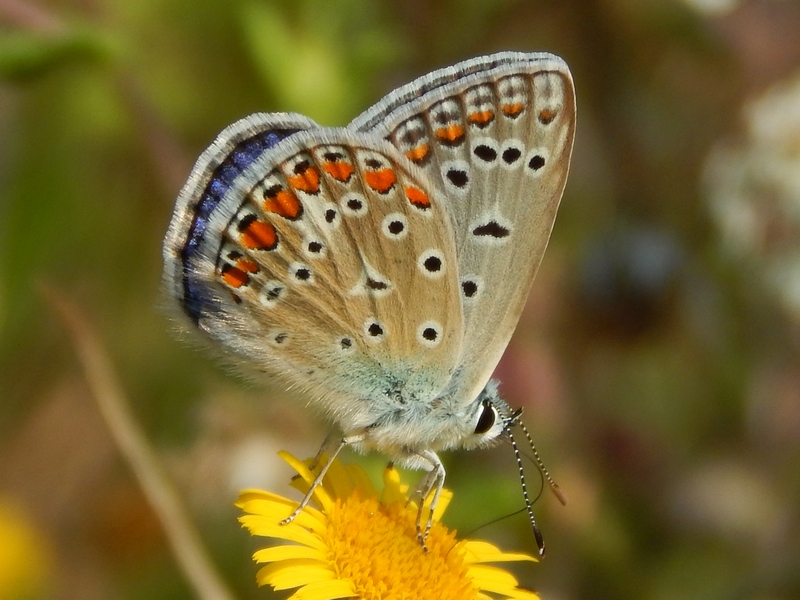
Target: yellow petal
(486, 577)
(276, 553)
(480, 552)
(337, 480)
(292, 532)
(523, 595)
(393, 492)
(311, 519)
(250, 495)
(293, 573)
(509, 592)
(325, 590)
(321, 496)
(361, 481)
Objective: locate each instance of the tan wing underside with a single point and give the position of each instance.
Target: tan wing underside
(511, 136)
(325, 278)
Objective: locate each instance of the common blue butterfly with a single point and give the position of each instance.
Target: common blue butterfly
(378, 270)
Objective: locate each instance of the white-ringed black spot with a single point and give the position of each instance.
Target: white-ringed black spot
(314, 247)
(491, 229)
(371, 283)
(429, 334)
(374, 330)
(485, 153)
(431, 263)
(354, 205)
(327, 215)
(346, 344)
(536, 162)
(278, 338)
(469, 287)
(377, 285)
(511, 155)
(271, 292)
(457, 177)
(395, 226)
(301, 273)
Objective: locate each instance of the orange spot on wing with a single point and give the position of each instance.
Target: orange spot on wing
(547, 115)
(339, 170)
(380, 181)
(417, 197)
(419, 153)
(234, 276)
(283, 203)
(259, 235)
(512, 110)
(481, 118)
(247, 265)
(307, 181)
(450, 134)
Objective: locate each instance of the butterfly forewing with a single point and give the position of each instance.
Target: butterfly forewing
(328, 262)
(494, 135)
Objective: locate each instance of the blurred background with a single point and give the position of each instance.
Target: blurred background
(658, 358)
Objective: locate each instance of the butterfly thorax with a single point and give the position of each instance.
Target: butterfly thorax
(406, 432)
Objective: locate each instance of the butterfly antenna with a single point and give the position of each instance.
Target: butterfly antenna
(553, 485)
(528, 504)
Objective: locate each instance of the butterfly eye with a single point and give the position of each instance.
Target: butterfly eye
(487, 418)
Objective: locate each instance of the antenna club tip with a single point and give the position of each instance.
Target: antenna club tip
(559, 494)
(539, 540)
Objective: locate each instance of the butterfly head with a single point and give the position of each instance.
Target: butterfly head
(490, 418)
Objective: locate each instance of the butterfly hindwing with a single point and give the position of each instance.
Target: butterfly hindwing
(326, 261)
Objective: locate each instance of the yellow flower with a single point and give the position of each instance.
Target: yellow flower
(25, 558)
(361, 544)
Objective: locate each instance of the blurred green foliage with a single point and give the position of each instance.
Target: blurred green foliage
(660, 374)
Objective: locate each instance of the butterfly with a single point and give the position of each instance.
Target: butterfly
(378, 270)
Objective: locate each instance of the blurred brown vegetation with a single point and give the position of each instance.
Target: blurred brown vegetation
(658, 358)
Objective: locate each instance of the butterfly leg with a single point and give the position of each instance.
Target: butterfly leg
(328, 445)
(432, 482)
(331, 446)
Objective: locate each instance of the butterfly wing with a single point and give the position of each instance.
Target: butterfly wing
(324, 259)
(494, 135)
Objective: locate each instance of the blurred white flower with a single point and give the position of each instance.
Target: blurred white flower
(753, 188)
